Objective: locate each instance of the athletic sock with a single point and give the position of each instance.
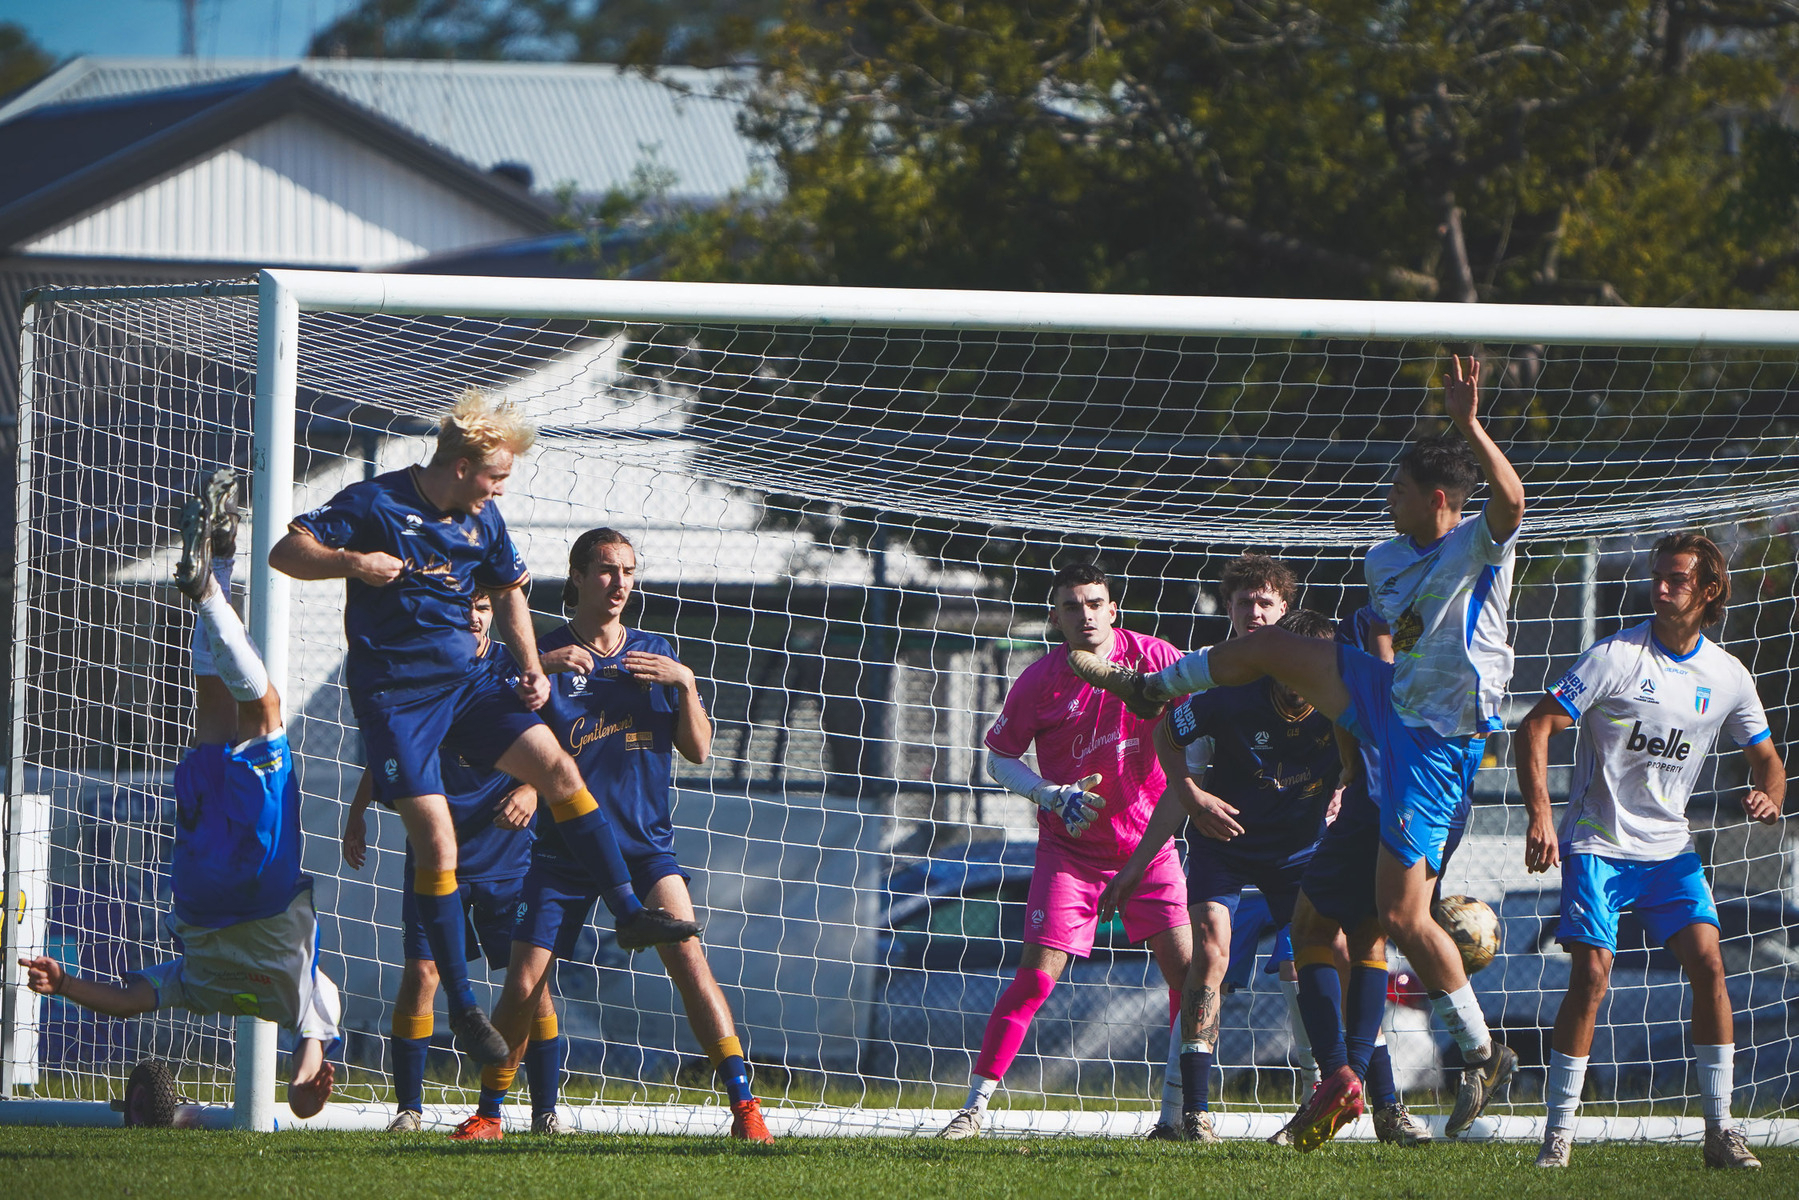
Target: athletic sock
(439, 903)
(1192, 673)
(1173, 1088)
(1302, 1037)
(1012, 1014)
(1716, 1066)
(1460, 1013)
(543, 1064)
(1379, 1084)
(727, 1062)
(1363, 1009)
(589, 835)
(1196, 1077)
(495, 1083)
(234, 659)
(407, 1045)
(200, 645)
(1561, 1093)
(980, 1091)
(1320, 1003)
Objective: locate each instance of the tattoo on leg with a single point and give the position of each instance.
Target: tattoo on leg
(1199, 1015)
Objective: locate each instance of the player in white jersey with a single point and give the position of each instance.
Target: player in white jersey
(1650, 701)
(1442, 587)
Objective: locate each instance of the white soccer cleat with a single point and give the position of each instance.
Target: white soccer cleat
(1728, 1148)
(405, 1121)
(965, 1124)
(546, 1122)
(1197, 1127)
(1556, 1145)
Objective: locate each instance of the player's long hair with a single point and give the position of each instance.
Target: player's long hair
(580, 557)
(1712, 567)
(476, 428)
(1259, 573)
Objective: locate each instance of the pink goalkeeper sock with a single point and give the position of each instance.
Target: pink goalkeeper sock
(1011, 1017)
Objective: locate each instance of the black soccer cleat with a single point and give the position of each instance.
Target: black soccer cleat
(652, 927)
(208, 521)
(226, 515)
(150, 1096)
(477, 1038)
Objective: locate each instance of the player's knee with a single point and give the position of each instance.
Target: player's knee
(1588, 977)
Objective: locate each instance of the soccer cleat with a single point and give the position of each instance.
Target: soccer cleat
(1284, 1135)
(1556, 1145)
(1728, 1148)
(151, 1097)
(225, 514)
(193, 574)
(478, 1129)
(1197, 1127)
(546, 1122)
(652, 927)
(1139, 692)
(405, 1121)
(747, 1124)
(1396, 1126)
(477, 1038)
(965, 1124)
(1479, 1083)
(1335, 1102)
(1163, 1132)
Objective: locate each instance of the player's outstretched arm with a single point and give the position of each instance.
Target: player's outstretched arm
(1461, 398)
(47, 977)
(1767, 794)
(1542, 845)
(299, 555)
(512, 621)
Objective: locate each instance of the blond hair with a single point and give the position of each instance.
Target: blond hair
(476, 427)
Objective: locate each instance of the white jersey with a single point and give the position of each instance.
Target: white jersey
(1647, 720)
(1446, 605)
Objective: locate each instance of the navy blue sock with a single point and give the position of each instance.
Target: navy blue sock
(408, 1056)
(543, 1069)
(734, 1073)
(1321, 1008)
(445, 929)
(1382, 1092)
(589, 835)
(1363, 1009)
(491, 1100)
(1196, 1080)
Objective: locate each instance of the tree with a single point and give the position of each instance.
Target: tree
(22, 61)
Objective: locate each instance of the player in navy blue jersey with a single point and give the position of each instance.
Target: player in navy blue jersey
(493, 814)
(414, 546)
(621, 703)
(243, 924)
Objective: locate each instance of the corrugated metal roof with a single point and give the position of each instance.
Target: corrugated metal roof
(585, 124)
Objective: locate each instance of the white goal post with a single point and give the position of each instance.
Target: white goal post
(930, 454)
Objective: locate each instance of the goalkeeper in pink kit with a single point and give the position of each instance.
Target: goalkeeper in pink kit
(1099, 782)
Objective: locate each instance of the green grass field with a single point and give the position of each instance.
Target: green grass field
(193, 1165)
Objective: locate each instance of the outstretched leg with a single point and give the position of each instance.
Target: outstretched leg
(1307, 665)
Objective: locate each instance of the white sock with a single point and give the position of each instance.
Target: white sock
(980, 1090)
(1171, 1078)
(1716, 1065)
(234, 659)
(1191, 674)
(202, 644)
(1302, 1041)
(1562, 1093)
(1460, 1013)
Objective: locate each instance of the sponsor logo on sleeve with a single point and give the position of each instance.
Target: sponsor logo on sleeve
(1570, 687)
(1182, 720)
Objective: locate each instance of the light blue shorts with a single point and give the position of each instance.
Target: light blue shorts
(1667, 896)
(1426, 779)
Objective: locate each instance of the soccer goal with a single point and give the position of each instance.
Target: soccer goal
(847, 504)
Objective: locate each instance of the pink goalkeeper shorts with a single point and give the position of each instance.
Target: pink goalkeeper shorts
(1063, 910)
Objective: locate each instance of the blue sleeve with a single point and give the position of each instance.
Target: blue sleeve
(1191, 719)
(503, 567)
(336, 522)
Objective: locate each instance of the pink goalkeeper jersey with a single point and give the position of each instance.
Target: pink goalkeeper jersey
(1081, 731)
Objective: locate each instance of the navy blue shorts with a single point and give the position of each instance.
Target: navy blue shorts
(480, 717)
(1216, 876)
(556, 901)
(490, 908)
(1339, 881)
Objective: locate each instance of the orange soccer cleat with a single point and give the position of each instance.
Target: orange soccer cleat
(747, 1124)
(478, 1129)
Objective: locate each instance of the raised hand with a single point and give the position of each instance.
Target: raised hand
(1461, 392)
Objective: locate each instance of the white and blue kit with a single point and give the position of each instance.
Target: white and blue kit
(1428, 713)
(1647, 718)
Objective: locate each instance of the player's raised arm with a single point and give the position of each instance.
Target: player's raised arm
(1505, 503)
(1542, 849)
(300, 555)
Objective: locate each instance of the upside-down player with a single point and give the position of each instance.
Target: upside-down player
(243, 921)
(622, 704)
(1100, 780)
(1443, 587)
(414, 545)
(493, 813)
(1650, 702)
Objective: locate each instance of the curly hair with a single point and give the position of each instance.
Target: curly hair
(1711, 565)
(476, 428)
(1259, 573)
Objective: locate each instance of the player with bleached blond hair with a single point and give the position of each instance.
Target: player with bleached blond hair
(415, 547)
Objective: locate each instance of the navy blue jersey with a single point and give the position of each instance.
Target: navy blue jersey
(1359, 805)
(621, 734)
(413, 635)
(484, 852)
(1277, 773)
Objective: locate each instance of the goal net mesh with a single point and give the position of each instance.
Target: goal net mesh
(847, 533)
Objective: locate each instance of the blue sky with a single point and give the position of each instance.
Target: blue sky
(227, 28)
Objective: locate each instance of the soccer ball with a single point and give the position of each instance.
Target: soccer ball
(1472, 926)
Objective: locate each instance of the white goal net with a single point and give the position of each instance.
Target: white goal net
(846, 511)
